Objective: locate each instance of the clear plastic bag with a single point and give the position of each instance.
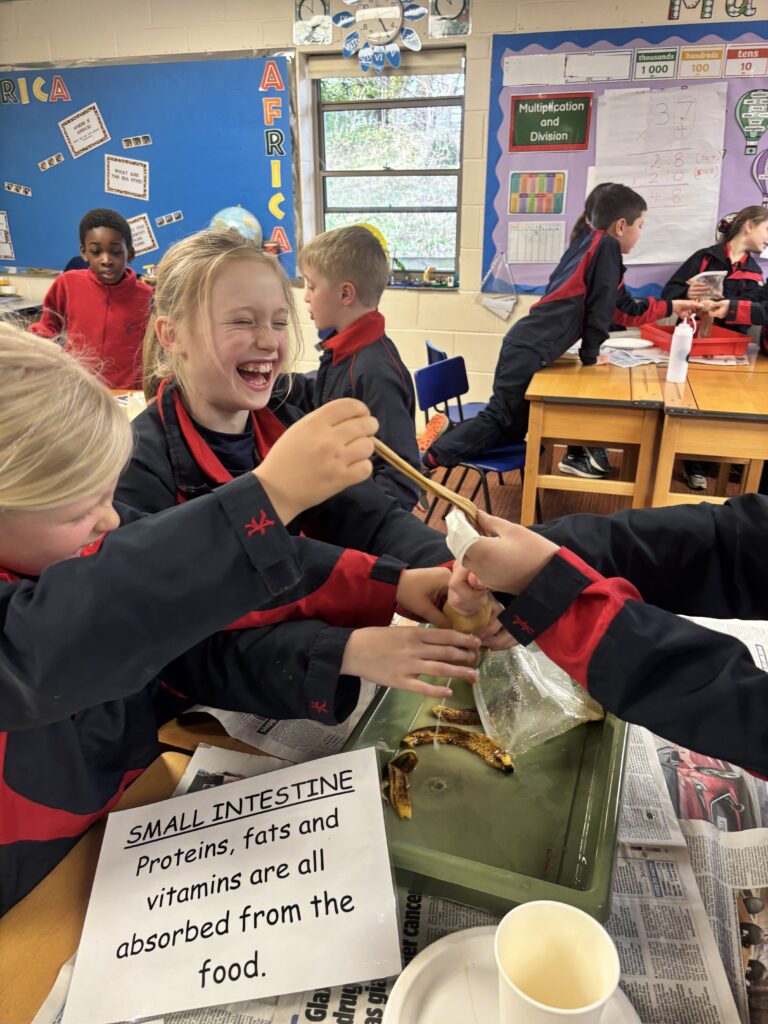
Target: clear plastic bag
(524, 699)
(497, 289)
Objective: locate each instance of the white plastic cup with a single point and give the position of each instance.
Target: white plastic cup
(556, 965)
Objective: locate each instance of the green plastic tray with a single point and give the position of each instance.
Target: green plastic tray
(492, 840)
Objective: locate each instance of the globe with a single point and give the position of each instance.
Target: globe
(235, 218)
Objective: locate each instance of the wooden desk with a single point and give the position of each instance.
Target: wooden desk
(719, 415)
(592, 405)
(42, 932)
(186, 736)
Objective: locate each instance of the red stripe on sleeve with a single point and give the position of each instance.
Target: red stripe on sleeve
(743, 313)
(571, 641)
(347, 598)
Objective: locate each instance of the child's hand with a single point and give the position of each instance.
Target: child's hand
(467, 597)
(603, 360)
(318, 456)
(684, 307)
(397, 655)
(699, 290)
(719, 310)
(419, 591)
(508, 557)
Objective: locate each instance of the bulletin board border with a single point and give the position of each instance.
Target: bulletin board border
(289, 54)
(654, 35)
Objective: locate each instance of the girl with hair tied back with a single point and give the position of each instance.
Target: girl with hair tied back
(741, 236)
(93, 617)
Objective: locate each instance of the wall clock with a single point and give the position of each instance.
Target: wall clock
(377, 30)
(448, 18)
(312, 22)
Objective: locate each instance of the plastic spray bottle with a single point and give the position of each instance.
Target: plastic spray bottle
(682, 339)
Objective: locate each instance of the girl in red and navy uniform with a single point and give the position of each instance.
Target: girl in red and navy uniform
(742, 236)
(96, 651)
(217, 342)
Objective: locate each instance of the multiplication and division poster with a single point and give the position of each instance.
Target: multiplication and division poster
(679, 114)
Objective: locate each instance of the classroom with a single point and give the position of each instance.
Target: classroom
(531, 239)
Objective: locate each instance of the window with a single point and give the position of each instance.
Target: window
(389, 155)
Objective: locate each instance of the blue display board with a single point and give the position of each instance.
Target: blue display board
(166, 144)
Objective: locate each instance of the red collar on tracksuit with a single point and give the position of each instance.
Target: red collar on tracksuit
(364, 331)
(267, 428)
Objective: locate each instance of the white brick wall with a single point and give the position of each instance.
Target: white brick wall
(65, 30)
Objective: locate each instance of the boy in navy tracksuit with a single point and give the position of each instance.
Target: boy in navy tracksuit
(580, 302)
(346, 272)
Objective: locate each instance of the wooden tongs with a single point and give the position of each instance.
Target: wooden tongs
(469, 508)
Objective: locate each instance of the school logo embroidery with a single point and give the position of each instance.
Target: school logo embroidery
(522, 624)
(319, 707)
(260, 527)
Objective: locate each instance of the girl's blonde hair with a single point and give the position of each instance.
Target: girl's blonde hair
(62, 434)
(185, 280)
(730, 225)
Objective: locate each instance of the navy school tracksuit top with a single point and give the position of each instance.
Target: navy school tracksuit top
(641, 661)
(357, 544)
(84, 647)
(742, 284)
(362, 362)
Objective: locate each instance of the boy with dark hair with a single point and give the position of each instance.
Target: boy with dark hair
(580, 302)
(346, 271)
(103, 310)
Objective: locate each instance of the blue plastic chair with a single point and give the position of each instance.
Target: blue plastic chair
(436, 385)
(455, 413)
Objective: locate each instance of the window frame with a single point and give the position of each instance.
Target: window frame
(320, 106)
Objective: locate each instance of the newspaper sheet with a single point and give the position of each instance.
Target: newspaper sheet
(294, 740)
(723, 815)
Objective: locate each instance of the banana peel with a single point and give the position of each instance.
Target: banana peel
(395, 787)
(456, 716)
(475, 742)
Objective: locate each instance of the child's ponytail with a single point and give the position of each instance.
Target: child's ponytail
(732, 224)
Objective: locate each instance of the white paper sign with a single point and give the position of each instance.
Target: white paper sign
(6, 245)
(142, 234)
(271, 885)
(667, 144)
(84, 130)
(126, 177)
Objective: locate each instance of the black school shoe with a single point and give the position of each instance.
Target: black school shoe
(598, 459)
(579, 465)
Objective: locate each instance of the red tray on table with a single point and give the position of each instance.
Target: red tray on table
(721, 341)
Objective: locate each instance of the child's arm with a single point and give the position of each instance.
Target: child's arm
(632, 312)
(692, 685)
(53, 322)
(739, 311)
(677, 286)
(99, 628)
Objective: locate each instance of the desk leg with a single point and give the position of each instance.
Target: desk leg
(666, 461)
(532, 464)
(641, 495)
(723, 474)
(752, 476)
